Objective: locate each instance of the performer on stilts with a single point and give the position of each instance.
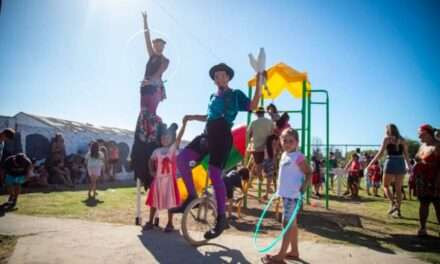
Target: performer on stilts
(152, 93)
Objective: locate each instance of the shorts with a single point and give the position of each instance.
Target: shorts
(94, 171)
(316, 178)
(14, 180)
(353, 179)
(258, 157)
(394, 165)
(289, 205)
(268, 168)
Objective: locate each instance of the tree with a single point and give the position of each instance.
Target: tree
(413, 147)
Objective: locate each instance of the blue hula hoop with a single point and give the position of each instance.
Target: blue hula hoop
(283, 231)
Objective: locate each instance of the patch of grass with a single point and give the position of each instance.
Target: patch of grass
(7, 245)
(113, 205)
(380, 231)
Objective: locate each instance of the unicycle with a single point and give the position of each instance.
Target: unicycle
(199, 217)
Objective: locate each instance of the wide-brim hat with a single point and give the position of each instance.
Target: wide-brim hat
(221, 67)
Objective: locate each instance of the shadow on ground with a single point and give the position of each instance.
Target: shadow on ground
(159, 245)
(92, 202)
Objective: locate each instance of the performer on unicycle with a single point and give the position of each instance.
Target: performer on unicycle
(216, 141)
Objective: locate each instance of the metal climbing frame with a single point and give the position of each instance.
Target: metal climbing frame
(305, 129)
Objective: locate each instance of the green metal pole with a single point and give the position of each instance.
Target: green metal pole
(303, 119)
(309, 135)
(260, 177)
(328, 149)
(249, 116)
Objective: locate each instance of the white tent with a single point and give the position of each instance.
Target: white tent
(36, 130)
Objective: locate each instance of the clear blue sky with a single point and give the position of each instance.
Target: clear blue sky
(82, 60)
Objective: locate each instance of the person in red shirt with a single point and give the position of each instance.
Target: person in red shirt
(427, 174)
(353, 167)
(374, 173)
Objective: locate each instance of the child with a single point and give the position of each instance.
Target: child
(163, 192)
(375, 177)
(316, 176)
(235, 179)
(412, 178)
(273, 112)
(293, 178)
(95, 166)
(18, 168)
(271, 153)
(113, 159)
(353, 167)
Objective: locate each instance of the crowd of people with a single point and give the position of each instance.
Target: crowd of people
(58, 169)
(274, 157)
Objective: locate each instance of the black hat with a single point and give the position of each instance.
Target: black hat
(260, 110)
(221, 67)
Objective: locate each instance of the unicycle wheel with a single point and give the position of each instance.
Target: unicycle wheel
(199, 217)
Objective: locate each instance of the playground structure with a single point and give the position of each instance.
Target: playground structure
(282, 77)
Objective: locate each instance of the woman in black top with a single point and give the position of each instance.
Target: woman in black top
(149, 124)
(394, 167)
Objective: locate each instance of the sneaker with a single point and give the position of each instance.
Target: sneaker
(182, 207)
(169, 229)
(392, 209)
(396, 214)
(221, 225)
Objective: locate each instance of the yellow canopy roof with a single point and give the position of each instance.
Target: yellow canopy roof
(281, 76)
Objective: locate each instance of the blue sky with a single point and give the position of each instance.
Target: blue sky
(82, 60)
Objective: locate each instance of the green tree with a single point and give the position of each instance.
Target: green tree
(413, 147)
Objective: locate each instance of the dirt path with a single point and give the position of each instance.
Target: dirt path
(54, 240)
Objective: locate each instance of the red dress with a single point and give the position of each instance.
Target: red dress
(427, 172)
(164, 193)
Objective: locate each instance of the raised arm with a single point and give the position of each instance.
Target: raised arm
(347, 166)
(254, 103)
(405, 153)
(181, 131)
(147, 35)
